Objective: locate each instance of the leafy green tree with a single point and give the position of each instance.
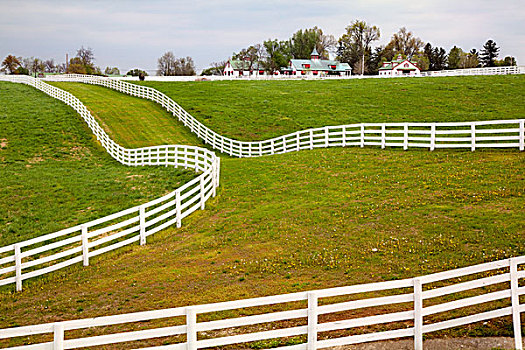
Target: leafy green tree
(355, 43)
(252, 55)
(277, 55)
(10, 64)
(136, 72)
(507, 61)
(216, 68)
(112, 71)
(489, 53)
(469, 60)
(22, 71)
(302, 43)
(439, 57)
(454, 57)
(84, 62)
(421, 60)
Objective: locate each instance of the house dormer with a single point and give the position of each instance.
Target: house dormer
(314, 55)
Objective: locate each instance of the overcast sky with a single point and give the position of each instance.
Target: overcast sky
(135, 33)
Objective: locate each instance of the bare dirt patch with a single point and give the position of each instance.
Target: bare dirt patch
(438, 344)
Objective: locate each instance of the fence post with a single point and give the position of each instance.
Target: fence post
(18, 268)
(418, 315)
(343, 135)
(191, 328)
(432, 136)
(383, 136)
(58, 336)
(284, 144)
(85, 248)
(260, 148)
(272, 147)
(298, 142)
(311, 139)
(362, 135)
(405, 136)
(515, 298)
(142, 223)
(201, 189)
(473, 137)
(177, 208)
(522, 135)
(312, 321)
(326, 136)
(213, 178)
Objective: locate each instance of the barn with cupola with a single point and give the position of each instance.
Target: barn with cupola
(317, 67)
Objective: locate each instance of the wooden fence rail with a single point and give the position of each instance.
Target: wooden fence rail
(470, 135)
(60, 249)
(54, 251)
(313, 319)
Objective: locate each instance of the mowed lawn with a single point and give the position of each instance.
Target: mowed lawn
(302, 221)
(257, 110)
(130, 121)
(54, 175)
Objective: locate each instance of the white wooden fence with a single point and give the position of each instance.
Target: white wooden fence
(80, 243)
(53, 251)
(421, 305)
(475, 71)
(470, 135)
(310, 320)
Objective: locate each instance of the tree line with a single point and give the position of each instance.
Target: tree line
(355, 48)
(82, 63)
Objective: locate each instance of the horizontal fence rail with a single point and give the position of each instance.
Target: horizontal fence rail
(78, 244)
(475, 71)
(313, 319)
(469, 135)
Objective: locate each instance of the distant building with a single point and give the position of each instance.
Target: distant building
(317, 67)
(237, 68)
(399, 67)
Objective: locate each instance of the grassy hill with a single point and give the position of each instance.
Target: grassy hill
(256, 110)
(300, 221)
(53, 173)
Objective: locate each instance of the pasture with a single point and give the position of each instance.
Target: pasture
(298, 221)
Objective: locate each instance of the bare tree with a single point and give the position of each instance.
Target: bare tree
(325, 44)
(169, 65)
(49, 66)
(404, 42)
(86, 55)
(184, 66)
(166, 64)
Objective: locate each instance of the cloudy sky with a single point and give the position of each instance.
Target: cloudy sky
(134, 33)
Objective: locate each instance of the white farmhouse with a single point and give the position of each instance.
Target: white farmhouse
(399, 67)
(237, 68)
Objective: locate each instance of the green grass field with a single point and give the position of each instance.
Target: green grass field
(257, 110)
(307, 220)
(53, 173)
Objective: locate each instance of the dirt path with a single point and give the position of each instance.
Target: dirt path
(438, 344)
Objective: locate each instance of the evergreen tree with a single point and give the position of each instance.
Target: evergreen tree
(454, 57)
(489, 53)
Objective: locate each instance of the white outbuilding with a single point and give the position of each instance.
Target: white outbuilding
(399, 67)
